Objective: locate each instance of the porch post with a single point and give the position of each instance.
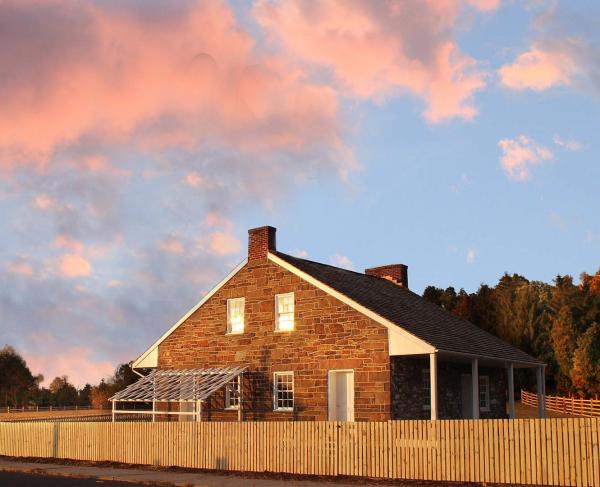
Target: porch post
(511, 391)
(241, 398)
(544, 388)
(475, 386)
(153, 410)
(113, 411)
(540, 391)
(433, 387)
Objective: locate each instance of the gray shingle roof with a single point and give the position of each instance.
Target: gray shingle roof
(411, 312)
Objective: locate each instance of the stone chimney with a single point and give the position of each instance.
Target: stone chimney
(261, 241)
(397, 273)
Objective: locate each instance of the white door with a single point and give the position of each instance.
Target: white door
(341, 395)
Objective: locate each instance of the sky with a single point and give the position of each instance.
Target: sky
(140, 140)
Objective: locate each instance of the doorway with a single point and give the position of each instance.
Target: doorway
(341, 395)
(467, 396)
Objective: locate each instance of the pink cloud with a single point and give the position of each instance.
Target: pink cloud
(484, 5)
(21, 267)
(374, 50)
(171, 245)
(45, 202)
(75, 362)
(216, 220)
(568, 144)
(342, 261)
(223, 243)
(539, 69)
(69, 243)
(182, 75)
(195, 180)
(519, 154)
(74, 265)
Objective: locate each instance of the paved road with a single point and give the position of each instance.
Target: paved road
(12, 479)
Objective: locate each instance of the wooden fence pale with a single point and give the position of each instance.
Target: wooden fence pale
(567, 405)
(525, 451)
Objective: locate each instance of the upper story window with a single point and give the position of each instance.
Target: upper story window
(484, 393)
(283, 391)
(235, 315)
(233, 394)
(284, 312)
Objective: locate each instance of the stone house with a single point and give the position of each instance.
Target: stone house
(285, 338)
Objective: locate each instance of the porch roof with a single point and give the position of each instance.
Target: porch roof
(178, 385)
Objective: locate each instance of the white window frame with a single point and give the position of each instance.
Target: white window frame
(426, 380)
(277, 326)
(230, 330)
(276, 406)
(234, 385)
(484, 379)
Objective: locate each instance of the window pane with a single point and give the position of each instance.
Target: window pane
(285, 312)
(235, 315)
(284, 391)
(232, 394)
(484, 392)
(426, 387)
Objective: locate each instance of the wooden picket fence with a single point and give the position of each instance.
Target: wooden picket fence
(524, 451)
(567, 405)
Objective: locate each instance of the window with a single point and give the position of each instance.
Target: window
(235, 315)
(283, 391)
(484, 393)
(284, 312)
(233, 393)
(426, 389)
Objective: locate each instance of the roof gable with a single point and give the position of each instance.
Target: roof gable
(418, 317)
(149, 358)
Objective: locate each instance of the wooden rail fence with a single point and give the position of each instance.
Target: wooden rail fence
(567, 405)
(525, 451)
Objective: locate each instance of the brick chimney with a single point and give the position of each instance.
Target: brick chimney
(397, 273)
(261, 241)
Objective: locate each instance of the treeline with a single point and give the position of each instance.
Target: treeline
(558, 323)
(19, 387)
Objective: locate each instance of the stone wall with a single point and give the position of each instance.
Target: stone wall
(410, 400)
(328, 335)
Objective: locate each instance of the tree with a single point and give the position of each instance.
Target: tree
(63, 392)
(99, 396)
(124, 376)
(586, 362)
(84, 395)
(17, 383)
(564, 340)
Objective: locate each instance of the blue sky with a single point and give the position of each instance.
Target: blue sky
(133, 166)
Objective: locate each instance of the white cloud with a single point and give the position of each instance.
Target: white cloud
(171, 245)
(557, 221)
(569, 144)
(342, 261)
(519, 154)
(471, 255)
(300, 253)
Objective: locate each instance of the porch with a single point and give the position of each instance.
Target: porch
(187, 389)
(451, 385)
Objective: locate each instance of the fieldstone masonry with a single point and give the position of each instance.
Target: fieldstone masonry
(410, 399)
(328, 335)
